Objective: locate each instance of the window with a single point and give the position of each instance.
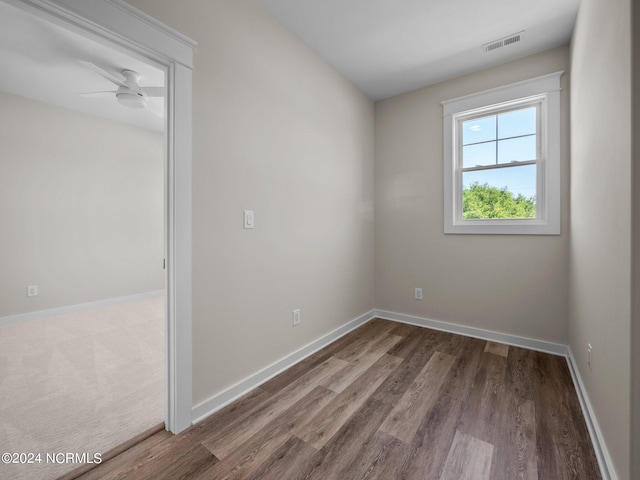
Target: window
(502, 160)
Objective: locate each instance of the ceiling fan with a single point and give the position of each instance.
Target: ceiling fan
(129, 92)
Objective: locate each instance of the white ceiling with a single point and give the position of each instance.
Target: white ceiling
(41, 60)
(388, 47)
(385, 47)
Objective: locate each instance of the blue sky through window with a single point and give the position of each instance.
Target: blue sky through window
(497, 140)
(518, 180)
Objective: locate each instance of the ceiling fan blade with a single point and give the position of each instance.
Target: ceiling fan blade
(153, 91)
(97, 94)
(106, 72)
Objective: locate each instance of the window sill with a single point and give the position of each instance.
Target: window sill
(503, 227)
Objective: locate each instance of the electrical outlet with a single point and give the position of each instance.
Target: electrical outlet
(589, 350)
(296, 317)
(32, 290)
(418, 294)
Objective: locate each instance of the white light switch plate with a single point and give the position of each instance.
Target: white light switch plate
(248, 219)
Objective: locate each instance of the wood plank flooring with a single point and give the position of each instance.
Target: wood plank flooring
(387, 401)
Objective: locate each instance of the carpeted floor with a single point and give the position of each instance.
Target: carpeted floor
(82, 382)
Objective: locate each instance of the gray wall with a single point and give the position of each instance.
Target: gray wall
(81, 207)
(280, 132)
(508, 283)
(600, 260)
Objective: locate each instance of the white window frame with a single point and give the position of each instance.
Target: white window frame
(544, 92)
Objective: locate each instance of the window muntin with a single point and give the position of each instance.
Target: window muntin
(498, 157)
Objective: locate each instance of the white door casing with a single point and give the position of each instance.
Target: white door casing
(120, 26)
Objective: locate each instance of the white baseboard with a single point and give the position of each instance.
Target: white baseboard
(529, 343)
(25, 317)
(218, 401)
(607, 469)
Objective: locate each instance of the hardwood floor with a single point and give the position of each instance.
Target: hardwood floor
(387, 401)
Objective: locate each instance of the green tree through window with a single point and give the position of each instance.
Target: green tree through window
(482, 201)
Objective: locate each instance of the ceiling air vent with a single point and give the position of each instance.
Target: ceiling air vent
(503, 42)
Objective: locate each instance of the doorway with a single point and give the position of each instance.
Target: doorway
(113, 32)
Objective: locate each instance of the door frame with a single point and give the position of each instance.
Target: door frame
(118, 25)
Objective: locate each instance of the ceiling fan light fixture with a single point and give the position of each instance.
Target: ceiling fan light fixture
(132, 99)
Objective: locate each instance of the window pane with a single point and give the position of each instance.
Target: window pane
(508, 192)
(479, 130)
(479, 154)
(516, 123)
(517, 149)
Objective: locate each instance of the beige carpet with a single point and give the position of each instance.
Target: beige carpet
(82, 382)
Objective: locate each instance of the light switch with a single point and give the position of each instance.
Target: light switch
(248, 219)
